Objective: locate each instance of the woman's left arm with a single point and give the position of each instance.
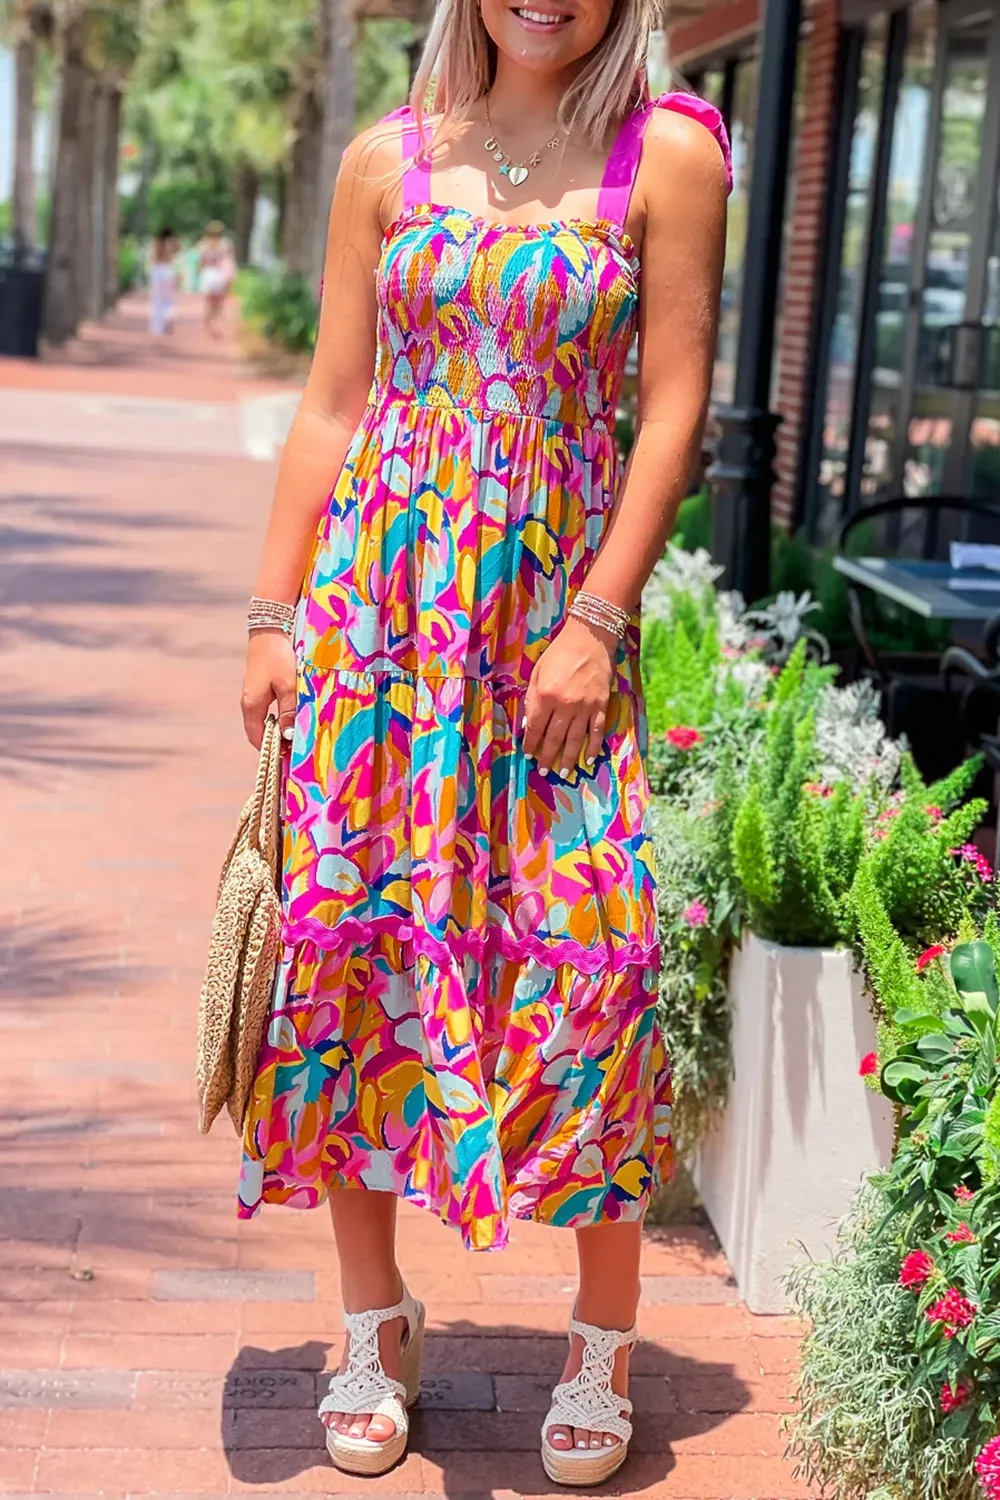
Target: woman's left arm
(682, 183)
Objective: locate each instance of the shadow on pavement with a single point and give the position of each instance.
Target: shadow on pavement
(40, 734)
(676, 1397)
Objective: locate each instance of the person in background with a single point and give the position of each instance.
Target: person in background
(216, 269)
(163, 281)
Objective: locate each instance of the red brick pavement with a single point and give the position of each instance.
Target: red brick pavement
(149, 1343)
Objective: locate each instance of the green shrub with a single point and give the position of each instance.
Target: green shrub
(183, 204)
(900, 1378)
(283, 308)
(693, 528)
(130, 262)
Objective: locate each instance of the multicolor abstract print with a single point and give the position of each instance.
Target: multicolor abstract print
(465, 1011)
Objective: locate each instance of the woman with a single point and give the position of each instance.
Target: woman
(162, 282)
(464, 1014)
(215, 274)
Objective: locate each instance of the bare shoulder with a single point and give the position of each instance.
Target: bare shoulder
(376, 152)
(681, 156)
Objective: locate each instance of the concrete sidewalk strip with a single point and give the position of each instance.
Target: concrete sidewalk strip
(97, 1390)
(266, 421)
(151, 1345)
(60, 419)
(233, 1286)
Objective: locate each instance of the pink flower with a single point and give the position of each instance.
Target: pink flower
(935, 814)
(819, 789)
(984, 869)
(988, 1469)
(963, 1235)
(916, 1270)
(869, 1065)
(968, 852)
(684, 739)
(964, 1194)
(953, 1312)
(696, 914)
(928, 956)
(954, 1397)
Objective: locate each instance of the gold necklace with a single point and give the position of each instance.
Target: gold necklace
(516, 172)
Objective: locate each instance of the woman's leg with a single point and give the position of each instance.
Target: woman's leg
(364, 1225)
(609, 1298)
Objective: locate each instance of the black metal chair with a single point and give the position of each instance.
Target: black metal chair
(917, 701)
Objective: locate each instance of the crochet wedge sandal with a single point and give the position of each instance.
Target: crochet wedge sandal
(364, 1387)
(588, 1401)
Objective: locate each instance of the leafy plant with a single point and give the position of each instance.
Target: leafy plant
(699, 921)
(283, 307)
(922, 1249)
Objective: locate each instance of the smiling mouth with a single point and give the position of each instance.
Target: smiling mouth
(542, 20)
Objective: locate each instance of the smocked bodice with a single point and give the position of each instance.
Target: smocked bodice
(535, 321)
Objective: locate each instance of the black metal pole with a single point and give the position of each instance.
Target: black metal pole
(743, 473)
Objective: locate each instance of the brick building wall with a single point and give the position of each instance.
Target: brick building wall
(804, 266)
(708, 37)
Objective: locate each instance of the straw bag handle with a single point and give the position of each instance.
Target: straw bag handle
(263, 829)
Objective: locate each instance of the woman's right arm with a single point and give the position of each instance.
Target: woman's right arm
(331, 407)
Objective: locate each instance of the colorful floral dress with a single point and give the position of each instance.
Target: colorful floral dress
(464, 1014)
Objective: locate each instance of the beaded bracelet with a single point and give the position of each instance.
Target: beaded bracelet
(593, 610)
(271, 614)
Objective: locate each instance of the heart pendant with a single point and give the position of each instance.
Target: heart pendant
(517, 175)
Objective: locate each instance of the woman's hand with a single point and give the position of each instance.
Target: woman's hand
(567, 699)
(269, 678)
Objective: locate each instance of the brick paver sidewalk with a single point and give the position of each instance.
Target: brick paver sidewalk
(149, 1343)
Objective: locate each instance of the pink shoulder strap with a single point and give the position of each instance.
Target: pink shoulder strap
(417, 175)
(623, 163)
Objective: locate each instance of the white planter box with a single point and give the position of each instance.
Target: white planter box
(780, 1166)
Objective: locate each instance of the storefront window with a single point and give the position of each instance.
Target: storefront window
(906, 182)
(984, 438)
(741, 134)
(846, 324)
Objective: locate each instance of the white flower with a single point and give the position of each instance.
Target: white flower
(851, 740)
(678, 572)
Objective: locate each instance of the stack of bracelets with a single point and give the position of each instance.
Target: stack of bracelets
(593, 610)
(271, 614)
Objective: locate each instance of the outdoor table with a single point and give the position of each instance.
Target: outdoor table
(935, 590)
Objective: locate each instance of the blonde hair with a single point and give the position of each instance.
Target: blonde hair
(459, 63)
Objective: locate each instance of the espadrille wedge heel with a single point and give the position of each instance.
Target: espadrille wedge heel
(365, 1387)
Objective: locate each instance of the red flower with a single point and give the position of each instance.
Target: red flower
(953, 1312)
(935, 814)
(869, 1065)
(928, 956)
(819, 789)
(684, 739)
(915, 1270)
(964, 1194)
(988, 1469)
(954, 1397)
(963, 1235)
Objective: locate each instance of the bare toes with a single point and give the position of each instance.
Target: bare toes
(381, 1429)
(560, 1437)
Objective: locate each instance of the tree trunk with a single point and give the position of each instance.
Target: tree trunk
(247, 188)
(338, 115)
(25, 216)
(302, 185)
(99, 229)
(61, 294)
(85, 230)
(112, 202)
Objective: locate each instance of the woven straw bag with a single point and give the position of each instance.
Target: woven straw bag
(244, 948)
